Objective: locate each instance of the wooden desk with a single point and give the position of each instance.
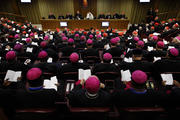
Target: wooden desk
(52, 24)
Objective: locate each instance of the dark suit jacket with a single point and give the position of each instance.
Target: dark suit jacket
(38, 98)
(79, 98)
(51, 17)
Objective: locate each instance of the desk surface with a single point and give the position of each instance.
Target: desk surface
(85, 24)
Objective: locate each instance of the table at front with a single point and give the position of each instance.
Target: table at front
(52, 24)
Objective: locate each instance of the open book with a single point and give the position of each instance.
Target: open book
(35, 36)
(50, 60)
(29, 49)
(125, 75)
(150, 48)
(34, 43)
(129, 60)
(51, 84)
(145, 40)
(108, 47)
(51, 37)
(12, 76)
(169, 47)
(84, 74)
(168, 78)
(156, 59)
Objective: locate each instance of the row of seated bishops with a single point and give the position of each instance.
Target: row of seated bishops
(27, 49)
(79, 16)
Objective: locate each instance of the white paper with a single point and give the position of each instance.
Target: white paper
(51, 84)
(168, 78)
(84, 74)
(29, 49)
(35, 36)
(18, 31)
(150, 48)
(27, 61)
(80, 61)
(157, 58)
(165, 42)
(7, 49)
(107, 47)
(34, 43)
(81, 74)
(47, 84)
(25, 26)
(23, 39)
(9, 75)
(16, 76)
(169, 47)
(49, 60)
(112, 61)
(145, 40)
(41, 37)
(51, 37)
(54, 80)
(129, 60)
(12, 76)
(156, 34)
(125, 75)
(27, 35)
(129, 38)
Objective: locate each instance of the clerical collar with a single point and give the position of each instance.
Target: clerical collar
(36, 88)
(91, 96)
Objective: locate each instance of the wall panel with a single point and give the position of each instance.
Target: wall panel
(55, 6)
(30, 10)
(134, 10)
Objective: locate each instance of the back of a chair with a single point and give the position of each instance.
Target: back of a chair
(2, 76)
(22, 59)
(103, 76)
(70, 76)
(64, 59)
(36, 110)
(35, 113)
(87, 109)
(47, 75)
(92, 59)
(117, 59)
(110, 85)
(142, 109)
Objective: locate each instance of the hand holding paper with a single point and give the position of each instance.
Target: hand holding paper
(12, 76)
(51, 84)
(168, 78)
(84, 74)
(126, 75)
